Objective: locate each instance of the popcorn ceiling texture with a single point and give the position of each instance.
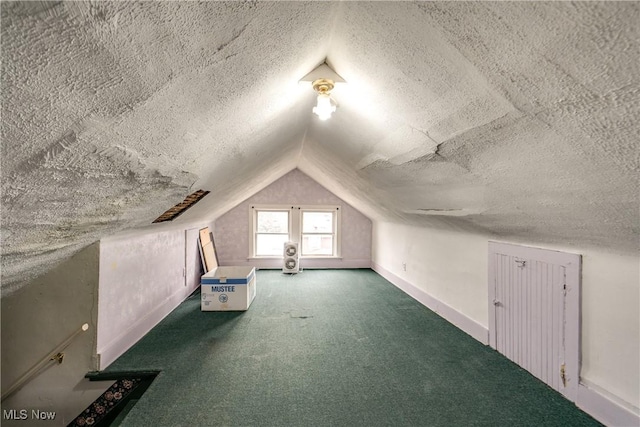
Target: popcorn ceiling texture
(516, 119)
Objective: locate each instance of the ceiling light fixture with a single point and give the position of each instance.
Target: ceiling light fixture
(323, 79)
(325, 106)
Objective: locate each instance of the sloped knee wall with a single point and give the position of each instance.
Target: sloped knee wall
(143, 277)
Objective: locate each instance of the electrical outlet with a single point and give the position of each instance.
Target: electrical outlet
(404, 266)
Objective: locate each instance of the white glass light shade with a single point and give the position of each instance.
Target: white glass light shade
(324, 108)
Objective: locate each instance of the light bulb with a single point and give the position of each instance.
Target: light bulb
(324, 108)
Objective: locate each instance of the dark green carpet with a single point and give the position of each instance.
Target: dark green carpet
(331, 347)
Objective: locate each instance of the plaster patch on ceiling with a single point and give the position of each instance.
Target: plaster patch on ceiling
(429, 171)
(370, 159)
(442, 197)
(376, 203)
(401, 146)
(27, 8)
(424, 152)
(444, 212)
(462, 148)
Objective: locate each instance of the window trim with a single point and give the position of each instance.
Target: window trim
(335, 233)
(253, 234)
(295, 227)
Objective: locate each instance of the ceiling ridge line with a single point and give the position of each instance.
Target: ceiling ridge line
(334, 24)
(304, 139)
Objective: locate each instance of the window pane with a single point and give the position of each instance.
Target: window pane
(317, 222)
(273, 222)
(317, 244)
(270, 244)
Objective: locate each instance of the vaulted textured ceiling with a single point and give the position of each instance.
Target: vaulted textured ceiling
(518, 119)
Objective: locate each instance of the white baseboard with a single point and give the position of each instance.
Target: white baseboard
(605, 409)
(315, 263)
(109, 353)
(463, 322)
(590, 399)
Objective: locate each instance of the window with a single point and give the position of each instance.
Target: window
(271, 232)
(316, 228)
(318, 233)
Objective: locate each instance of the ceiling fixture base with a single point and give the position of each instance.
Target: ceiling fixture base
(323, 85)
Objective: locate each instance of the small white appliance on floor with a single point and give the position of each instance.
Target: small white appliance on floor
(291, 258)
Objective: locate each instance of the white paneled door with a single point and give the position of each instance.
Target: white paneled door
(534, 312)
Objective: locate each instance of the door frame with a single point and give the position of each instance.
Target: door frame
(572, 332)
(192, 265)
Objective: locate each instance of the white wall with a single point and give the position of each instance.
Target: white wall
(39, 317)
(611, 324)
(232, 230)
(142, 279)
(445, 270)
(451, 267)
